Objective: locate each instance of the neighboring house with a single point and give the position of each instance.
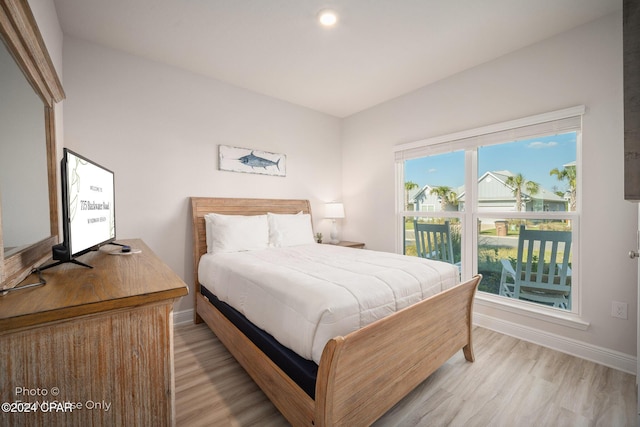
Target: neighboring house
(495, 195)
(423, 201)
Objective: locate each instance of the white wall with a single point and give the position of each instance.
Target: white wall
(582, 66)
(158, 128)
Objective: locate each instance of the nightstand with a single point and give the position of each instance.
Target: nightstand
(356, 245)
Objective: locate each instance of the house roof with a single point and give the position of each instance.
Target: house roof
(506, 192)
(542, 194)
(414, 194)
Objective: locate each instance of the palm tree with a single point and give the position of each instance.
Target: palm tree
(447, 197)
(408, 186)
(517, 182)
(568, 173)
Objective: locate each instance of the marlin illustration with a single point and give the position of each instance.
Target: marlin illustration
(258, 162)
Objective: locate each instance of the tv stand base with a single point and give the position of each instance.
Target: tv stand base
(73, 261)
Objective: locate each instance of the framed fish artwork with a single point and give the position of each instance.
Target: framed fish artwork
(246, 160)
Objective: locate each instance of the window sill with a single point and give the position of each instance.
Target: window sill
(534, 311)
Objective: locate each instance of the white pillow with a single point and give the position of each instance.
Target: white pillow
(290, 229)
(234, 233)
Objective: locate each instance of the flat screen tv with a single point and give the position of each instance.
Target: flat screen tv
(88, 208)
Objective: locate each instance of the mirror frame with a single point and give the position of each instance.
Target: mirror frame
(20, 33)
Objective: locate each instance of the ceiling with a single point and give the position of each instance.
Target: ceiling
(379, 50)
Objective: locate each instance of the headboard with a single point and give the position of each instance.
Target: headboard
(200, 206)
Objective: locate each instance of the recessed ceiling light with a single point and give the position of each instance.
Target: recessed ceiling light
(327, 18)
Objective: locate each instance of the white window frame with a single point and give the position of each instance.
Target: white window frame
(560, 121)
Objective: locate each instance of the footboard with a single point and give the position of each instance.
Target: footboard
(362, 375)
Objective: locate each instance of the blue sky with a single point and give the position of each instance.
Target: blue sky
(533, 158)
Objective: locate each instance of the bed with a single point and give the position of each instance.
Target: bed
(382, 361)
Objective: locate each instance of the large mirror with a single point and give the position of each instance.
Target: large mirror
(28, 174)
(24, 186)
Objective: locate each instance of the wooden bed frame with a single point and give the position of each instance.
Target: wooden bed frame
(361, 375)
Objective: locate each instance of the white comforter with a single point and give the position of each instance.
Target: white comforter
(306, 295)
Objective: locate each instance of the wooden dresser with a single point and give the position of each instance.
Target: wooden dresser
(92, 346)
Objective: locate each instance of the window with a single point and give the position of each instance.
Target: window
(499, 189)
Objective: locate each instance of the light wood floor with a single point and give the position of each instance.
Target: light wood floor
(511, 383)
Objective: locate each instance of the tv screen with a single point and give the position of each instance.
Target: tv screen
(89, 202)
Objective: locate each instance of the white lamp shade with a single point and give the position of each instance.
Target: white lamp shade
(334, 210)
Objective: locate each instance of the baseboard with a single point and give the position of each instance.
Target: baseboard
(611, 358)
(182, 317)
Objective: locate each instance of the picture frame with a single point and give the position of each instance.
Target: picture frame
(247, 160)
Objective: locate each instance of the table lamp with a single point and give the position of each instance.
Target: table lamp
(333, 211)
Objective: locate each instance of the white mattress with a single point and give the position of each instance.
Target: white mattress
(306, 295)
